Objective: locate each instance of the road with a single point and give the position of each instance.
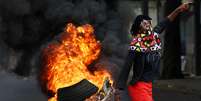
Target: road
(14, 88)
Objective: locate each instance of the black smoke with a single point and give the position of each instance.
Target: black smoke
(28, 25)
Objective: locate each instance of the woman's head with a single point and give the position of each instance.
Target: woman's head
(141, 23)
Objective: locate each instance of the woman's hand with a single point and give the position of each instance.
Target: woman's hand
(117, 93)
(184, 7)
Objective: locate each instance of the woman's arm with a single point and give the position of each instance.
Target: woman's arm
(123, 77)
(162, 25)
(183, 7)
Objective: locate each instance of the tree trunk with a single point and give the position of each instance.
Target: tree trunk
(145, 7)
(197, 37)
(172, 62)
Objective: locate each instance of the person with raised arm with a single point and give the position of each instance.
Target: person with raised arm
(144, 56)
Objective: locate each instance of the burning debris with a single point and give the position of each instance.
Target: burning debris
(65, 62)
(86, 91)
(27, 25)
(104, 94)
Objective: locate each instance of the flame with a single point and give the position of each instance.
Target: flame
(65, 62)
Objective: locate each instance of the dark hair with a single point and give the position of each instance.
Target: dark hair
(136, 23)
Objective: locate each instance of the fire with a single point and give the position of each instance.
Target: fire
(65, 62)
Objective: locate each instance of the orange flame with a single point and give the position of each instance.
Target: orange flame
(65, 63)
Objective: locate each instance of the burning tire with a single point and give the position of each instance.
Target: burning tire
(66, 63)
(77, 92)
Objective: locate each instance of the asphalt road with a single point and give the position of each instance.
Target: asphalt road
(14, 88)
(169, 95)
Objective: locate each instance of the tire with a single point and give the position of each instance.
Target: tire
(77, 92)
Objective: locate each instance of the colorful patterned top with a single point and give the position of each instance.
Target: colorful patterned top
(145, 42)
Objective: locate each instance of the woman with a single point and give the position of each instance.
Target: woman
(144, 56)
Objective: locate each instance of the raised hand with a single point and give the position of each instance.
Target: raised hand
(184, 7)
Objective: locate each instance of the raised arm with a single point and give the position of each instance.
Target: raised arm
(162, 25)
(183, 7)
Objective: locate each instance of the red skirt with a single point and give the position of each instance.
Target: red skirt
(141, 91)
